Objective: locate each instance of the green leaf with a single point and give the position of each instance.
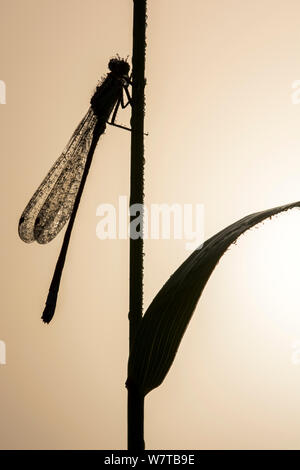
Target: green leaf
(164, 323)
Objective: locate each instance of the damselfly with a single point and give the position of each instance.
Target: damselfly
(57, 198)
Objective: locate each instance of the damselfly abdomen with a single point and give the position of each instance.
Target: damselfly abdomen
(51, 205)
(57, 198)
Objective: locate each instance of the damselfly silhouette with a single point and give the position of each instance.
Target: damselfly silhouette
(57, 198)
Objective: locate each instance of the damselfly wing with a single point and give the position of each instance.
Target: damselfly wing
(51, 205)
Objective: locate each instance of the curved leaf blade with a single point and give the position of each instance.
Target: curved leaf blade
(166, 319)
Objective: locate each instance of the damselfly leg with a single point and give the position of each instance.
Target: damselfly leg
(123, 106)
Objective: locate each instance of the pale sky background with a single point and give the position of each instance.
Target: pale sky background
(223, 132)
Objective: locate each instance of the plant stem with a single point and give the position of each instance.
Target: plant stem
(135, 398)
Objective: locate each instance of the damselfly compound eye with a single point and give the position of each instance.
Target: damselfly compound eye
(119, 67)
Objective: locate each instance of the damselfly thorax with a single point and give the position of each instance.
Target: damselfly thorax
(109, 94)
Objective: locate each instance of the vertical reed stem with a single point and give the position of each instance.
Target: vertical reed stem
(135, 398)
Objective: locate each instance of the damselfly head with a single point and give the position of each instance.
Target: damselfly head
(119, 67)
